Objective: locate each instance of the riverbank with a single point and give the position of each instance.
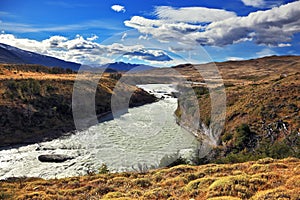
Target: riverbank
(38, 107)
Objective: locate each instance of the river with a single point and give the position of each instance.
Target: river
(145, 137)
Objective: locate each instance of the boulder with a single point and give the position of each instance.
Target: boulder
(56, 158)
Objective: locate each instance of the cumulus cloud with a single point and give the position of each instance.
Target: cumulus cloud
(84, 50)
(270, 27)
(262, 3)
(161, 30)
(192, 14)
(118, 8)
(150, 55)
(254, 3)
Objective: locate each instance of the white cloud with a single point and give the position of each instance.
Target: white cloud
(118, 8)
(123, 36)
(266, 52)
(82, 50)
(254, 3)
(94, 37)
(192, 14)
(284, 45)
(271, 27)
(150, 55)
(234, 58)
(143, 37)
(161, 30)
(263, 3)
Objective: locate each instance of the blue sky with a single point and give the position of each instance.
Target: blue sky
(156, 32)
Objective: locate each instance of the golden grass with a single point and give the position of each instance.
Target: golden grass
(263, 179)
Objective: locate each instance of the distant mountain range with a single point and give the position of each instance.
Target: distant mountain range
(14, 55)
(121, 66)
(10, 54)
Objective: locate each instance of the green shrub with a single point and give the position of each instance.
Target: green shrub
(243, 137)
(103, 169)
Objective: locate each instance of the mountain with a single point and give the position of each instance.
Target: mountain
(10, 54)
(123, 67)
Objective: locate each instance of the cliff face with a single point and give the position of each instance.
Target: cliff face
(262, 109)
(37, 106)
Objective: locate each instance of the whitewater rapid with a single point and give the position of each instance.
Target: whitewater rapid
(145, 137)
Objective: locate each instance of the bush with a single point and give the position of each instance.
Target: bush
(243, 137)
(103, 169)
(142, 182)
(115, 76)
(200, 91)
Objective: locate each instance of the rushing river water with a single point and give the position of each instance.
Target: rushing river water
(145, 137)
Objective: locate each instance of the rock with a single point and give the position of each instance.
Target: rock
(175, 94)
(56, 158)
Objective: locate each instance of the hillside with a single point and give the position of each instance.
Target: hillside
(263, 179)
(36, 102)
(263, 104)
(14, 55)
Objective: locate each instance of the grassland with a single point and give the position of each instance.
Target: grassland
(257, 180)
(263, 105)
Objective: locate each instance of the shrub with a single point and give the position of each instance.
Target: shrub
(278, 193)
(115, 76)
(111, 195)
(142, 182)
(175, 182)
(243, 137)
(157, 193)
(103, 169)
(200, 90)
(280, 150)
(198, 184)
(237, 186)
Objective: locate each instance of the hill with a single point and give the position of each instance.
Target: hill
(36, 102)
(14, 55)
(263, 179)
(263, 104)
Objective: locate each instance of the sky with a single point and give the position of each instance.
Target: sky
(153, 32)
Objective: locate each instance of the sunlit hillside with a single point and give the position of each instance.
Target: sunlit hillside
(263, 179)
